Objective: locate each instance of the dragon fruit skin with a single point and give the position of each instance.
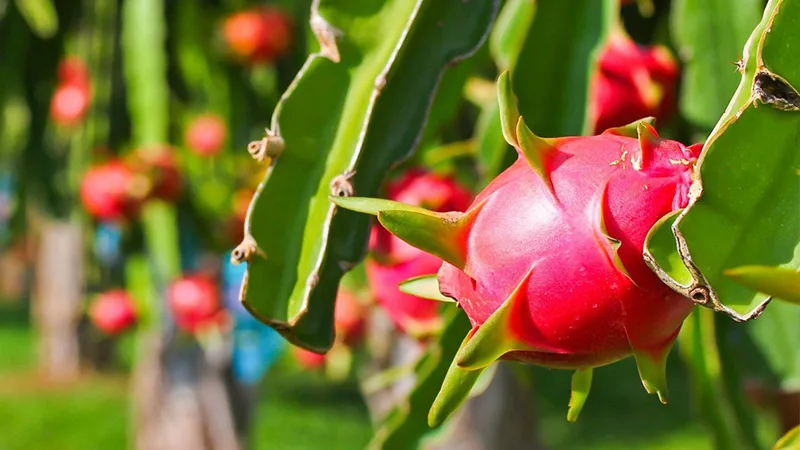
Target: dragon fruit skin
(547, 261)
(633, 82)
(394, 261)
(578, 308)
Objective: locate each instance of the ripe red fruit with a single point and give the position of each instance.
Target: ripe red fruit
(633, 82)
(308, 359)
(547, 262)
(72, 70)
(194, 301)
(349, 318)
(560, 255)
(112, 312)
(69, 104)
(206, 134)
(393, 260)
(107, 191)
(259, 35)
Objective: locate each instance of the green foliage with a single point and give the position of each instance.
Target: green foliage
(709, 36)
(552, 77)
(40, 15)
(790, 440)
(388, 76)
(777, 333)
(506, 43)
(715, 399)
(376, 63)
(744, 210)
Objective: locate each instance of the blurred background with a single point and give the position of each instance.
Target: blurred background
(125, 180)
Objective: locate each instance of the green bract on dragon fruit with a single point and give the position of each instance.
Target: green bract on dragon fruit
(547, 260)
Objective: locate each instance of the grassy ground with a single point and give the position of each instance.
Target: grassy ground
(299, 411)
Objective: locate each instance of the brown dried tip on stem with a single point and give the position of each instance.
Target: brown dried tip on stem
(341, 185)
(699, 295)
(245, 250)
(268, 147)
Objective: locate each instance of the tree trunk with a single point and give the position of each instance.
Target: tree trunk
(57, 302)
(184, 397)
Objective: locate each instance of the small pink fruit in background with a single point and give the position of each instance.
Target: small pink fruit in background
(72, 70)
(71, 98)
(258, 35)
(106, 191)
(206, 134)
(394, 261)
(112, 312)
(69, 104)
(307, 359)
(194, 301)
(349, 318)
(633, 82)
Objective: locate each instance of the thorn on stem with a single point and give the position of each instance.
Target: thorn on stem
(270, 146)
(245, 250)
(341, 186)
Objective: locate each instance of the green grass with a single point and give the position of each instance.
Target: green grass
(298, 411)
(303, 411)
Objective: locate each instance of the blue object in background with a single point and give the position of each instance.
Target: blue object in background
(108, 243)
(256, 347)
(6, 205)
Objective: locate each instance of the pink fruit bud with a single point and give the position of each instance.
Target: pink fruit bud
(69, 104)
(106, 191)
(633, 82)
(194, 301)
(394, 261)
(258, 35)
(206, 135)
(349, 318)
(112, 312)
(72, 70)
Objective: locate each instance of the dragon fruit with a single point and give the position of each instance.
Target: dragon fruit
(393, 260)
(633, 82)
(113, 312)
(349, 318)
(547, 261)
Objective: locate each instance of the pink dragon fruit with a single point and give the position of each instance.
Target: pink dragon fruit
(393, 260)
(633, 82)
(547, 261)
